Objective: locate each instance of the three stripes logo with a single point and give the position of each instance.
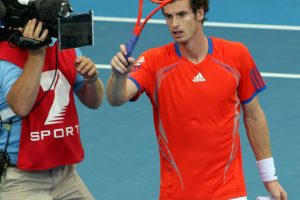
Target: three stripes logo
(199, 78)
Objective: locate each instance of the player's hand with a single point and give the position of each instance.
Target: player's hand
(275, 190)
(34, 30)
(119, 64)
(87, 68)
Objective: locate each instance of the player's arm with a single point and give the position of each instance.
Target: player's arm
(119, 88)
(257, 129)
(258, 136)
(24, 92)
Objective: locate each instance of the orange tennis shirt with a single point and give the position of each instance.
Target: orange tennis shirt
(196, 110)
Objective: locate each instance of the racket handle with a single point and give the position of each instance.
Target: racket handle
(131, 44)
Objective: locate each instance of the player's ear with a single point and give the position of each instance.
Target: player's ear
(200, 14)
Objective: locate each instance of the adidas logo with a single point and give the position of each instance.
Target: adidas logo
(199, 78)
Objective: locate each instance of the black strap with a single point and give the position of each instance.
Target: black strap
(4, 159)
(5, 34)
(16, 39)
(7, 126)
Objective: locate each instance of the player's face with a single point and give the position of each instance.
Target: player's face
(182, 22)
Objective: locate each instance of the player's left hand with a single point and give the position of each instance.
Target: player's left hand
(275, 190)
(87, 68)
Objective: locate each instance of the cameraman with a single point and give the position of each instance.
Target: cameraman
(40, 137)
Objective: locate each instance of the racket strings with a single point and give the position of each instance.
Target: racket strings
(160, 1)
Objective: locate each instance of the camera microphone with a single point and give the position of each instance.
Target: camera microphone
(2, 10)
(49, 10)
(57, 8)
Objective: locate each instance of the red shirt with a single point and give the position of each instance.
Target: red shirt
(196, 111)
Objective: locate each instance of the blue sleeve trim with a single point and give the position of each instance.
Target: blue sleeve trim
(79, 79)
(139, 89)
(136, 83)
(254, 95)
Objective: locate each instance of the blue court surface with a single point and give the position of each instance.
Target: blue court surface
(122, 160)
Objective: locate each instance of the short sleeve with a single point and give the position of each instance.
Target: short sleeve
(251, 82)
(79, 79)
(9, 73)
(78, 83)
(78, 52)
(142, 76)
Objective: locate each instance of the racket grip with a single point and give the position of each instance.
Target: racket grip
(131, 44)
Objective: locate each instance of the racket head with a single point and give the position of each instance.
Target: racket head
(139, 26)
(160, 1)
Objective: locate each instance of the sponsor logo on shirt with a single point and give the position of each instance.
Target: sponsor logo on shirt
(199, 78)
(55, 133)
(140, 61)
(61, 100)
(138, 64)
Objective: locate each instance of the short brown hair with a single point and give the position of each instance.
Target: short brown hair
(197, 4)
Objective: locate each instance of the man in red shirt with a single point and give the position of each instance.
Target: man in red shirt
(197, 86)
(40, 133)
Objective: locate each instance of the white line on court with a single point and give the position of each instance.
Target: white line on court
(280, 75)
(264, 74)
(209, 24)
(214, 24)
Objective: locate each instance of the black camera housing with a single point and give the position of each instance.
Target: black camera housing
(72, 31)
(17, 15)
(4, 160)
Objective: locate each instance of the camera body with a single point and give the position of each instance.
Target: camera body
(19, 12)
(72, 31)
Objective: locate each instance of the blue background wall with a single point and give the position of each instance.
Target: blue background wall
(283, 12)
(121, 152)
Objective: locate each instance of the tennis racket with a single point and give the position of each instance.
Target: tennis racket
(141, 23)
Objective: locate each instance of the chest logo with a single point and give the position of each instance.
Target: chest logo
(61, 100)
(199, 78)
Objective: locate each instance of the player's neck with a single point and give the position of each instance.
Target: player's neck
(195, 50)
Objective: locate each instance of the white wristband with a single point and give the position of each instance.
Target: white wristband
(266, 169)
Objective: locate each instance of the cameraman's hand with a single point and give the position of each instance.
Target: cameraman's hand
(87, 68)
(34, 30)
(24, 92)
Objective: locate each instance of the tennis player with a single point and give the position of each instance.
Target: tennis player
(198, 86)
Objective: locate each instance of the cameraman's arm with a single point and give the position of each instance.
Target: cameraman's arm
(24, 92)
(91, 92)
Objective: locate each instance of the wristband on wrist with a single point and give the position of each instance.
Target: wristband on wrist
(266, 169)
